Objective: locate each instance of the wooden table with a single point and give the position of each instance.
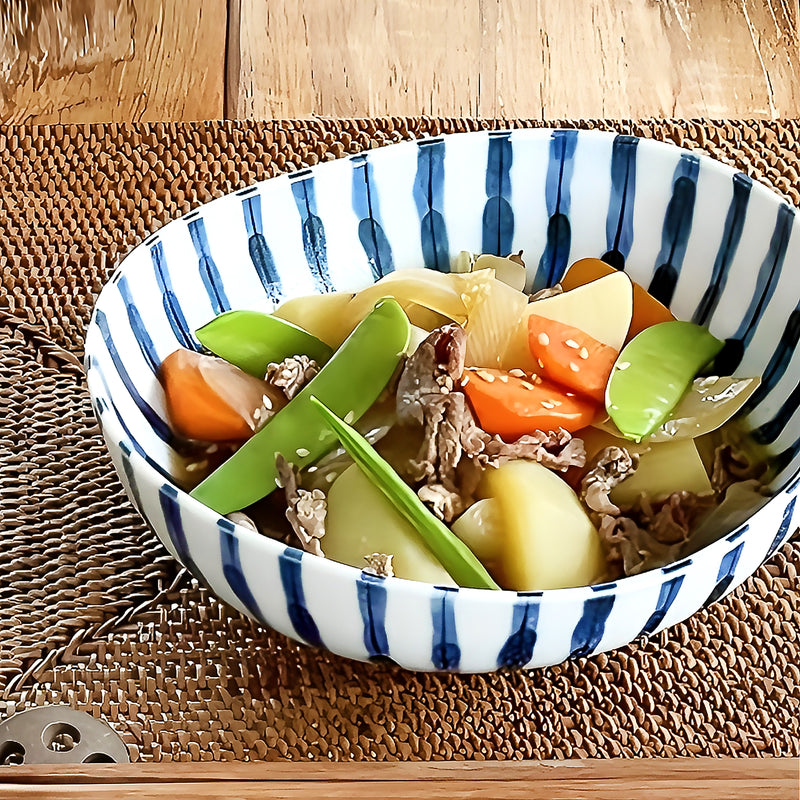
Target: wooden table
(141, 60)
(653, 779)
(126, 60)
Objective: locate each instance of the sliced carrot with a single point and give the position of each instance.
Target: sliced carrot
(647, 310)
(211, 400)
(512, 406)
(571, 357)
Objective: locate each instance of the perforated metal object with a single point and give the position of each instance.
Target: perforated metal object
(59, 735)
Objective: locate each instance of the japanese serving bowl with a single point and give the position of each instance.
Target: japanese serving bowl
(716, 246)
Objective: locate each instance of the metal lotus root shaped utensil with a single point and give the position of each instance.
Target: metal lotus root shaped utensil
(59, 735)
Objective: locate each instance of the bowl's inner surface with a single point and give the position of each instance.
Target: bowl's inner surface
(715, 247)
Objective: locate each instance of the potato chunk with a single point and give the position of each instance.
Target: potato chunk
(361, 521)
(549, 541)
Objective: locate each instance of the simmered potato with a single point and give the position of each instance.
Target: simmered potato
(361, 521)
(548, 540)
(479, 527)
(664, 468)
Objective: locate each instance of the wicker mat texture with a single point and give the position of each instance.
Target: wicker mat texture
(93, 612)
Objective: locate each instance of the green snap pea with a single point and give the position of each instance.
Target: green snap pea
(653, 372)
(452, 553)
(349, 384)
(251, 340)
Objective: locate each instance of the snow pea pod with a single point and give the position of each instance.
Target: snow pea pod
(653, 372)
(349, 384)
(451, 552)
(251, 340)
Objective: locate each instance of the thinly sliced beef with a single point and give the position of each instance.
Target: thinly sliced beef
(306, 510)
(611, 466)
(455, 448)
(292, 374)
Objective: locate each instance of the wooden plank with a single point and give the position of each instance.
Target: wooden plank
(111, 60)
(516, 58)
(654, 779)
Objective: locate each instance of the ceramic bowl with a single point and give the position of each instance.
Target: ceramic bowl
(717, 247)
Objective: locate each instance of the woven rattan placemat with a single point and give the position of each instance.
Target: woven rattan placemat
(95, 614)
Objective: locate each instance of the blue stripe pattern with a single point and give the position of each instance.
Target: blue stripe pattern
(168, 497)
(446, 652)
(725, 575)
(232, 568)
(209, 274)
(666, 597)
(429, 199)
(768, 275)
(169, 300)
(518, 648)
(313, 232)
(591, 626)
(498, 216)
(257, 246)
(290, 566)
(366, 206)
(143, 339)
(130, 475)
(560, 167)
(102, 405)
(371, 591)
(778, 363)
(159, 426)
(676, 229)
(786, 457)
(619, 219)
(732, 233)
(769, 431)
(783, 529)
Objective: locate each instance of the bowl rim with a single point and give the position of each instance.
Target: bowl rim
(113, 429)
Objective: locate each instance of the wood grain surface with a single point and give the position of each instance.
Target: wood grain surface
(653, 779)
(517, 58)
(111, 60)
(127, 60)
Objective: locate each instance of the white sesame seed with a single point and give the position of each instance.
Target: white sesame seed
(193, 466)
(623, 365)
(465, 380)
(527, 385)
(349, 417)
(487, 376)
(572, 343)
(503, 378)
(546, 404)
(267, 401)
(517, 373)
(540, 363)
(544, 339)
(257, 414)
(301, 452)
(574, 367)
(584, 353)
(212, 448)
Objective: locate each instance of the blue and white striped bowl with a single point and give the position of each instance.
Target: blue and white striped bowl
(717, 247)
